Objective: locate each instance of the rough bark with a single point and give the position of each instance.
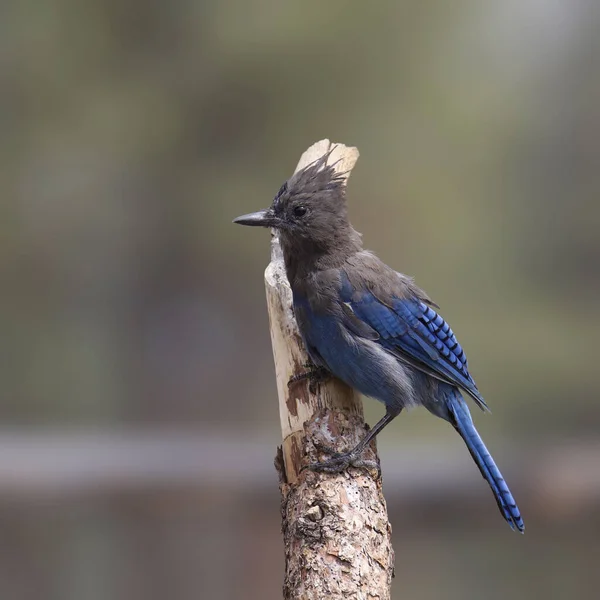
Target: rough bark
(336, 532)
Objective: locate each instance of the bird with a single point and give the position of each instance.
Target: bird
(368, 325)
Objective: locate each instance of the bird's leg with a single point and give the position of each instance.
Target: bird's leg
(353, 458)
(314, 374)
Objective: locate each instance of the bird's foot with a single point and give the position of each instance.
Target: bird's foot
(315, 376)
(341, 461)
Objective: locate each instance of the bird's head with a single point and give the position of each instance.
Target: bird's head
(309, 210)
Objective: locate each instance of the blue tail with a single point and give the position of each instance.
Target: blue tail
(462, 422)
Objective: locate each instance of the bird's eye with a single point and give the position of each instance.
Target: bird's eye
(299, 211)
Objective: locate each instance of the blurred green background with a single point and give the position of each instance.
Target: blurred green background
(139, 414)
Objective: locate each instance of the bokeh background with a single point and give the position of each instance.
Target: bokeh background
(138, 405)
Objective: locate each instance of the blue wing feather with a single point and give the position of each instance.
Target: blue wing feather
(413, 329)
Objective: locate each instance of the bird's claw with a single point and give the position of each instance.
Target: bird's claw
(340, 462)
(315, 375)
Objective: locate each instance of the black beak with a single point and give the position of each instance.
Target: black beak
(262, 218)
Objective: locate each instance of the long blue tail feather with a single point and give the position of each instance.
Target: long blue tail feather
(463, 423)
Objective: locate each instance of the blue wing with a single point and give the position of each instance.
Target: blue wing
(415, 332)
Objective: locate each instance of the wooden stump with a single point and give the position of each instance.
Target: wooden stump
(337, 536)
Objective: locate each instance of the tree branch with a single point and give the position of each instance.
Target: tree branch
(337, 536)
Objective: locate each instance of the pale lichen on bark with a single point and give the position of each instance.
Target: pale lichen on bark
(337, 536)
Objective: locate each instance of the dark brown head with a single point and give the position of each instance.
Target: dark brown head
(310, 213)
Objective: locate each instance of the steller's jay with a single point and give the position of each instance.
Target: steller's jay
(368, 325)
